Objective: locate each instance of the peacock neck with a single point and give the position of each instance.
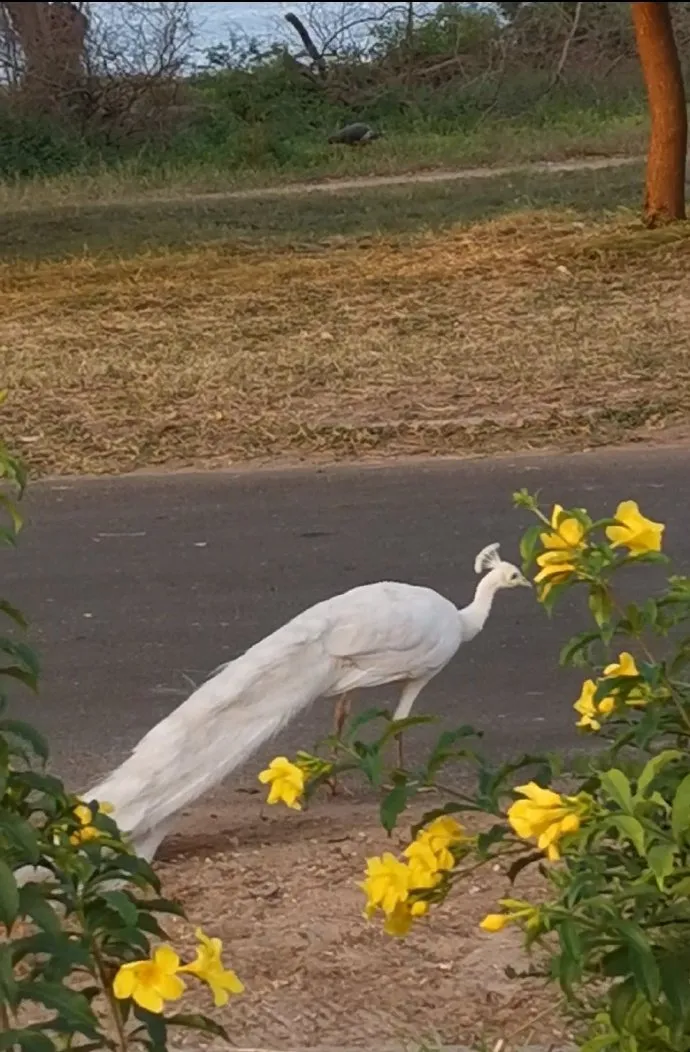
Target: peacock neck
(474, 616)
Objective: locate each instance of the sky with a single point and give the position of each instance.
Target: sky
(253, 18)
(256, 18)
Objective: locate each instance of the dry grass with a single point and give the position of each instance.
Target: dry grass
(537, 330)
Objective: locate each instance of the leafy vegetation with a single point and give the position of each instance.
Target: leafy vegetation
(612, 843)
(460, 84)
(78, 966)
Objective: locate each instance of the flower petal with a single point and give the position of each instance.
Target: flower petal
(148, 999)
(124, 982)
(166, 959)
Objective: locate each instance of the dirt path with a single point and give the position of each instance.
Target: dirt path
(339, 185)
(441, 175)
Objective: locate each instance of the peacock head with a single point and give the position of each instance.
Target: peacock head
(503, 575)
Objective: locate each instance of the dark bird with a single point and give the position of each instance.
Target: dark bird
(355, 135)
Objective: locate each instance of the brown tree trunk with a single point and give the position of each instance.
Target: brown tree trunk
(665, 183)
(52, 40)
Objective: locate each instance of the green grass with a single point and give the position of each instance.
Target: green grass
(121, 229)
(574, 133)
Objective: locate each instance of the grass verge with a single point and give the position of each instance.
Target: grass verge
(127, 228)
(420, 333)
(572, 133)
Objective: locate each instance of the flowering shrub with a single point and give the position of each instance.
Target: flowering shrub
(76, 950)
(613, 842)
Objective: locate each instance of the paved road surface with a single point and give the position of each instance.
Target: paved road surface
(140, 585)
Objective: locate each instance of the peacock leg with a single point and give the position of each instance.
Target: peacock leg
(342, 712)
(407, 700)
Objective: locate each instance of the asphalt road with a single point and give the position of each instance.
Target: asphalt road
(137, 587)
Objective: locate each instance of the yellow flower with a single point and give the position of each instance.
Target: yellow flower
(567, 533)
(625, 666)
(634, 531)
(589, 710)
(496, 921)
(441, 833)
(208, 967)
(429, 853)
(151, 983)
(517, 910)
(287, 782)
(400, 920)
(555, 567)
(562, 543)
(545, 816)
(387, 884)
(425, 866)
(85, 816)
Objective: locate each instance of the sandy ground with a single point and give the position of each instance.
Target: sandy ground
(280, 889)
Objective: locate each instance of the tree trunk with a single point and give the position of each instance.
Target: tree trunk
(52, 40)
(665, 183)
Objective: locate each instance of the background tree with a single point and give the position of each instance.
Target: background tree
(665, 183)
(50, 38)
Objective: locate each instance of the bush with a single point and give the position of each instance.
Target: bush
(76, 950)
(612, 843)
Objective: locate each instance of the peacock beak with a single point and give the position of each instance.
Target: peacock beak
(525, 583)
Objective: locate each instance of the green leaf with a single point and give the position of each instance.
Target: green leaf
(601, 1042)
(66, 954)
(13, 613)
(160, 906)
(28, 1040)
(73, 1007)
(653, 768)
(8, 984)
(199, 1022)
(492, 836)
(570, 963)
(156, 1026)
(28, 734)
(621, 999)
(445, 749)
(528, 545)
(617, 787)
(21, 653)
(600, 608)
(21, 675)
(661, 859)
(368, 716)
(393, 804)
(398, 726)
(13, 511)
(9, 896)
(641, 959)
(680, 810)
(575, 651)
(631, 829)
(370, 763)
(20, 834)
(675, 970)
(123, 906)
(34, 904)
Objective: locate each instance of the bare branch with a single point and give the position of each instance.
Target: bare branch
(558, 72)
(309, 45)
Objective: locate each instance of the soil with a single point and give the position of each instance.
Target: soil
(280, 889)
